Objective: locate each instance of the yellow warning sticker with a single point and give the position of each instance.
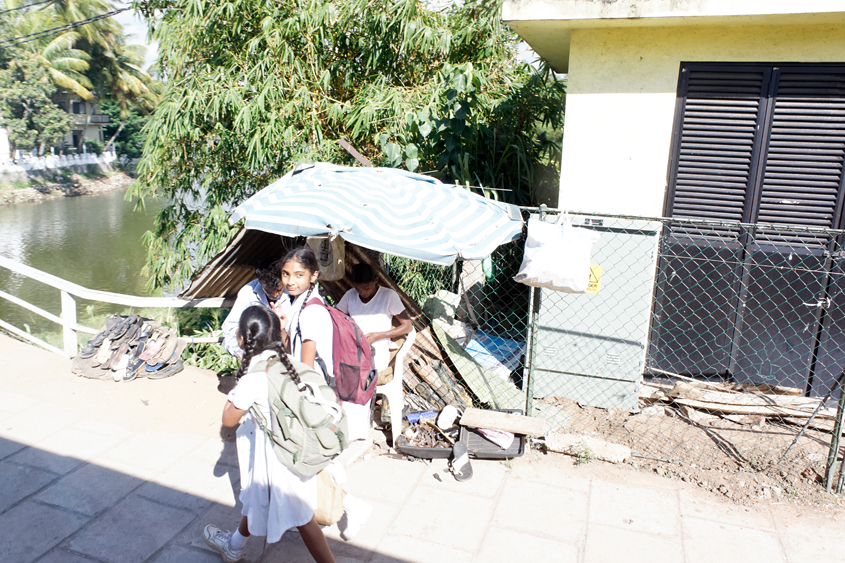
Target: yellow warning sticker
(594, 285)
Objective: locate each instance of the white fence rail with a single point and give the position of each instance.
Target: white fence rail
(69, 293)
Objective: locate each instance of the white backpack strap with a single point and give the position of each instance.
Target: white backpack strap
(334, 409)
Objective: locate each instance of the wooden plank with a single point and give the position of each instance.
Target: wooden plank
(358, 156)
(518, 424)
(768, 410)
(30, 307)
(817, 424)
(685, 391)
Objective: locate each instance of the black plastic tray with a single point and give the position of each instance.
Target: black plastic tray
(425, 453)
(479, 447)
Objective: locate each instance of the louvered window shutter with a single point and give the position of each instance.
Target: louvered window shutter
(788, 121)
(803, 166)
(716, 147)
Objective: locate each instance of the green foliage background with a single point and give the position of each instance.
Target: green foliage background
(254, 87)
(31, 119)
(92, 61)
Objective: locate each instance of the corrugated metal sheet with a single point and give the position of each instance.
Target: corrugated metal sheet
(234, 266)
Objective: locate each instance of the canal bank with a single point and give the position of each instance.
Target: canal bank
(42, 188)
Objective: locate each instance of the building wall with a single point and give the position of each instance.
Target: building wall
(621, 95)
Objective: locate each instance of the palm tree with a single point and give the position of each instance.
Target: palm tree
(65, 65)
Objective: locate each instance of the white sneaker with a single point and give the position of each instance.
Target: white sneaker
(356, 511)
(218, 540)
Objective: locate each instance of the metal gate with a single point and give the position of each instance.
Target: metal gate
(753, 303)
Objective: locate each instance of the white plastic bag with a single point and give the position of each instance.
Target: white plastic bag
(331, 253)
(557, 255)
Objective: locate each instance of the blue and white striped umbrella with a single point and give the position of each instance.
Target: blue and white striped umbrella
(385, 209)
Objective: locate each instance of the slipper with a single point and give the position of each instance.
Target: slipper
(459, 464)
(133, 369)
(93, 372)
(154, 344)
(120, 328)
(96, 341)
(167, 348)
(119, 367)
(181, 343)
(115, 357)
(103, 354)
(129, 335)
(166, 371)
(177, 353)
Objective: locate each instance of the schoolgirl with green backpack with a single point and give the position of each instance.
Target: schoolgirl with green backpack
(275, 497)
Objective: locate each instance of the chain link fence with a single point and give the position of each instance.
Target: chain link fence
(709, 343)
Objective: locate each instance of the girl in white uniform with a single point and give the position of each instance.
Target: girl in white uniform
(274, 498)
(310, 332)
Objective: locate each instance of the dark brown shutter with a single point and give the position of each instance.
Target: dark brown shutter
(803, 167)
(719, 134)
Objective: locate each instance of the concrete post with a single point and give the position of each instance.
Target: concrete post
(69, 318)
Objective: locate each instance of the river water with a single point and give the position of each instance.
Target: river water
(93, 241)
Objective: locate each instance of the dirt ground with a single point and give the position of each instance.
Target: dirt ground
(739, 463)
(75, 185)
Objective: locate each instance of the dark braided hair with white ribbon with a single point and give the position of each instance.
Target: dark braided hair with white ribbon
(306, 257)
(261, 330)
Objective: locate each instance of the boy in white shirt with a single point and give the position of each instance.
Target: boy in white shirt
(374, 307)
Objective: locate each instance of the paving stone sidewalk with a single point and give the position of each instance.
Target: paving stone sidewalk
(131, 472)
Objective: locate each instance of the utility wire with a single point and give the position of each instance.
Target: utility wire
(25, 7)
(59, 29)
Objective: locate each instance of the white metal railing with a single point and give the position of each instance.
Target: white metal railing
(70, 291)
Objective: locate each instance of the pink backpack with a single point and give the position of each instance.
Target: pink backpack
(354, 376)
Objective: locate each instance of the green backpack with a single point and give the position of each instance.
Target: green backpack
(308, 425)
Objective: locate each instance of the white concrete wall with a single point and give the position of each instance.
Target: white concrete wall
(620, 104)
(49, 162)
(5, 154)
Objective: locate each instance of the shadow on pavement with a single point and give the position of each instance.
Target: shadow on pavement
(56, 508)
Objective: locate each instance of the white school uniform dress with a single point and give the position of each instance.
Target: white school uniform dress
(315, 324)
(376, 315)
(274, 498)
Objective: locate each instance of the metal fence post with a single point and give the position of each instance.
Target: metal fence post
(68, 322)
(534, 300)
(835, 438)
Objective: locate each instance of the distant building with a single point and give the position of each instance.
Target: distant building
(88, 123)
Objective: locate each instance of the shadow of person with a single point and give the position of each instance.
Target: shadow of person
(227, 462)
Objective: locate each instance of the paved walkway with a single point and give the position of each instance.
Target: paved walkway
(131, 472)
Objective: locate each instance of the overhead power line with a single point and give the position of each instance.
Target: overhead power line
(59, 29)
(25, 7)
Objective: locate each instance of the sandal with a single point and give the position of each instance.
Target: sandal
(96, 341)
(166, 371)
(167, 348)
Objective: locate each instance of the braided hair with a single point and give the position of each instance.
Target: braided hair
(261, 330)
(306, 257)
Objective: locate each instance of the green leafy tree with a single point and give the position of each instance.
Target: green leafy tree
(254, 86)
(125, 129)
(32, 120)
